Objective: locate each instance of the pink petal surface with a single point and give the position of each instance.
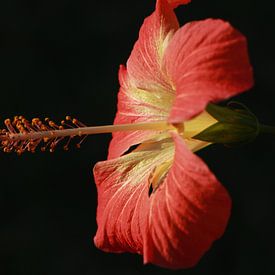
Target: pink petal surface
(207, 62)
(189, 212)
(176, 224)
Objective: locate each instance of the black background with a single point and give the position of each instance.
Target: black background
(61, 57)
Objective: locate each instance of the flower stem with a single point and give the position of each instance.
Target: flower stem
(266, 129)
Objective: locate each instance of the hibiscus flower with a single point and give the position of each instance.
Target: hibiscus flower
(161, 200)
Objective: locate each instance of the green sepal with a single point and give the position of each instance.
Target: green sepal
(234, 126)
(226, 133)
(228, 115)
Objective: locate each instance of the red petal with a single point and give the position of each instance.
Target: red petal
(188, 212)
(144, 75)
(173, 227)
(207, 61)
(123, 200)
(176, 3)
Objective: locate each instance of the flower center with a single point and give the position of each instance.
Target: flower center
(158, 176)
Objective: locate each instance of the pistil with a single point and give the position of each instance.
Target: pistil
(21, 135)
(157, 126)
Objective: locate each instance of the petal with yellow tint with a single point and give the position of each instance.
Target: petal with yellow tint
(123, 199)
(145, 92)
(137, 105)
(171, 227)
(145, 62)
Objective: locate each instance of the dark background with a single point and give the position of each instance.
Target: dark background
(61, 57)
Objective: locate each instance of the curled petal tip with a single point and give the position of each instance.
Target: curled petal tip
(176, 3)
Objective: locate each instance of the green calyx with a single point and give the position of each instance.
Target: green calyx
(236, 125)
